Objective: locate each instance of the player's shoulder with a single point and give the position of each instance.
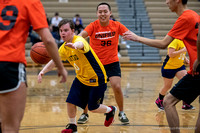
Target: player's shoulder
(19, 2)
(95, 23)
(32, 1)
(28, 2)
(76, 37)
(79, 39)
(62, 45)
(115, 24)
(188, 15)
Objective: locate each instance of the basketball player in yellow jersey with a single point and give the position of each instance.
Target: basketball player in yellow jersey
(90, 83)
(173, 65)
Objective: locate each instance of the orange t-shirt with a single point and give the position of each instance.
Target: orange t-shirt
(104, 40)
(16, 16)
(186, 29)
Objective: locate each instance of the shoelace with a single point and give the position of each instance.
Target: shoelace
(82, 116)
(123, 116)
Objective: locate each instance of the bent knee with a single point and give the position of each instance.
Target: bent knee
(93, 111)
(169, 101)
(93, 108)
(165, 103)
(117, 88)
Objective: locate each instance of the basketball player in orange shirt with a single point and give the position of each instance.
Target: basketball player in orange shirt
(188, 88)
(104, 36)
(16, 16)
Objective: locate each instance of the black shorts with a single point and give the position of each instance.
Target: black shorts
(187, 89)
(81, 95)
(113, 69)
(12, 74)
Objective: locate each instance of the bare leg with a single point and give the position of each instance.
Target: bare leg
(197, 130)
(12, 108)
(181, 74)
(102, 109)
(86, 110)
(172, 116)
(115, 82)
(71, 110)
(167, 85)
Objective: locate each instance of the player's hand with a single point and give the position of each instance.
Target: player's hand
(71, 45)
(195, 66)
(40, 77)
(187, 61)
(130, 36)
(62, 72)
(76, 45)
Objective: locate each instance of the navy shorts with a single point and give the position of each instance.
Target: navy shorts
(113, 69)
(171, 73)
(187, 89)
(81, 95)
(12, 74)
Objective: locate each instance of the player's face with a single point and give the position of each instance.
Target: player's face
(66, 33)
(103, 14)
(172, 4)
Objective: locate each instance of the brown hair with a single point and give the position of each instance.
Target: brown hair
(65, 21)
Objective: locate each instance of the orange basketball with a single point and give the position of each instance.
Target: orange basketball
(39, 53)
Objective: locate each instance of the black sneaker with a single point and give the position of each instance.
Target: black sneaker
(70, 128)
(159, 103)
(187, 107)
(83, 119)
(110, 116)
(122, 117)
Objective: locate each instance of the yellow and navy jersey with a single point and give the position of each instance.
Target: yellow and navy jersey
(177, 61)
(89, 69)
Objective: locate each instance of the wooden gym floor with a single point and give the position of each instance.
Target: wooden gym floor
(46, 110)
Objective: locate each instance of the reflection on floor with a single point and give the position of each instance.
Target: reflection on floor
(46, 110)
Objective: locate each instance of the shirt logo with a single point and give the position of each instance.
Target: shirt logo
(73, 58)
(105, 35)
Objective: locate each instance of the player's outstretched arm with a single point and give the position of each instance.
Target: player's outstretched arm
(76, 45)
(52, 49)
(162, 44)
(84, 34)
(48, 67)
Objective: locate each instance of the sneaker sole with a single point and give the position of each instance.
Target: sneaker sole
(72, 132)
(189, 109)
(81, 122)
(125, 123)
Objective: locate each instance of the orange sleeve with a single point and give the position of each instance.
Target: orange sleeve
(180, 29)
(89, 29)
(122, 29)
(37, 15)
